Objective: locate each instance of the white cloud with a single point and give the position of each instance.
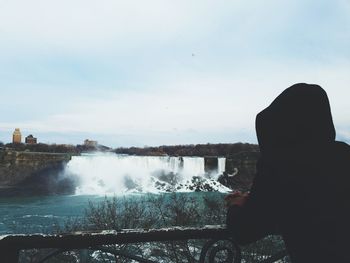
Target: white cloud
(246, 53)
(86, 24)
(181, 106)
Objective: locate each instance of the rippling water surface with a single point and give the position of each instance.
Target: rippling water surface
(40, 214)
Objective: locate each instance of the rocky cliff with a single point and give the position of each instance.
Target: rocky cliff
(240, 170)
(33, 173)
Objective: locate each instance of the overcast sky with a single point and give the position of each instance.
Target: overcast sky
(164, 72)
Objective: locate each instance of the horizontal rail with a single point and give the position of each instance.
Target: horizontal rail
(77, 240)
(10, 245)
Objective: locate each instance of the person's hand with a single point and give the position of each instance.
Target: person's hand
(236, 198)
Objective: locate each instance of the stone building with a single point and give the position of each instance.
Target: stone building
(90, 143)
(30, 139)
(17, 136)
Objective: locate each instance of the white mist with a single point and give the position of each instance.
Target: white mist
(116, 174)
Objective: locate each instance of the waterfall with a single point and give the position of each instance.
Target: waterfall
(193, 166)
(113, 174)
(221, 165)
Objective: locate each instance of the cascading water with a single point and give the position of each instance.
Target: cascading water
(113, 174)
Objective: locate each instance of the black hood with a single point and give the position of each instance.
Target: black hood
(299, 115)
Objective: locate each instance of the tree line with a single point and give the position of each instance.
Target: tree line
(201, 150)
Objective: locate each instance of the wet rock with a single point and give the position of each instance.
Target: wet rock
(32, 173)
(210, 164)
(240, 170)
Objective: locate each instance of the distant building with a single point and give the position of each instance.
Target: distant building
(30, 139)
(90, 143)
(17, 136)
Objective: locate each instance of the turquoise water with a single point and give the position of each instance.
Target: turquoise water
(40, 214)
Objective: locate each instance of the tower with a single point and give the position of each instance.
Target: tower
(17, 136)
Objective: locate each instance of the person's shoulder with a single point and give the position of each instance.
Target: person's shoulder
(341, 144)
(339, 153)
(342, 147)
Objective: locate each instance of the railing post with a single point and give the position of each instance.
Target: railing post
(83, 254)
(9, 254)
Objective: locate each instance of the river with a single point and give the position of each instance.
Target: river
(102, 175)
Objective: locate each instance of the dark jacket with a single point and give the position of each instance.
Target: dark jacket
(302, 186)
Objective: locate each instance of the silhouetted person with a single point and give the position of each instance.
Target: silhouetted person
(302, 186)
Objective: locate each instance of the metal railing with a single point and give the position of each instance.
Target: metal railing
(11, 245)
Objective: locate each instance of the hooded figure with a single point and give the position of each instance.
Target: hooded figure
(302, 186)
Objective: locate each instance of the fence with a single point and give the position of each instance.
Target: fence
(11, 245)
